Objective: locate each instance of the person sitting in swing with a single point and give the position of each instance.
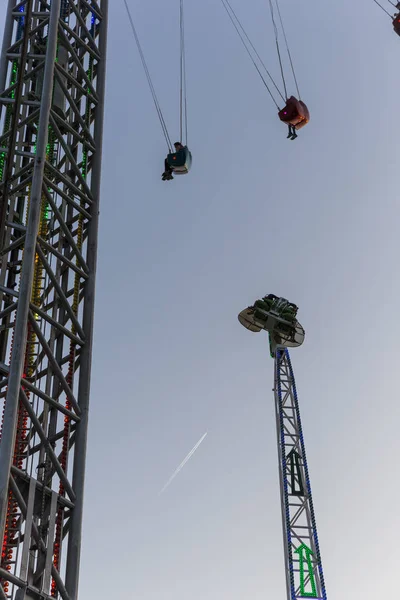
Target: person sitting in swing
(168, 170)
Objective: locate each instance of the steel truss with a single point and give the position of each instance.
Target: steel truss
(52, 78)
(303, 567)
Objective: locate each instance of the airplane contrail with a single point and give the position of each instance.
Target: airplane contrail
(183, 463)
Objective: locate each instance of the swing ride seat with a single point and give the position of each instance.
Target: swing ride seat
(180, 161)
(396, 24)
(295, 113)
(278, 319)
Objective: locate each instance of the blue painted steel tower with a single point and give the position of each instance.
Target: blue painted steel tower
(303, 566)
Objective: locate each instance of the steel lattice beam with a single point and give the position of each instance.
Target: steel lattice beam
(303, 567)
(52, 79)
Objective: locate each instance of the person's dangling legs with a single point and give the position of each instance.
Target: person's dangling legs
(292, 132)
(167, 175)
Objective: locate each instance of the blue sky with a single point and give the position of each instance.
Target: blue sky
(316, 221)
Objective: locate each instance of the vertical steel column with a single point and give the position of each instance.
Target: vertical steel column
(7, 36)
(17, 358)
(53, 85)
(303, 566)
(74, 547)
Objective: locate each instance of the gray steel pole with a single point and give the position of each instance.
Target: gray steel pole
(7, 36)
(17, 359)
(78, 482)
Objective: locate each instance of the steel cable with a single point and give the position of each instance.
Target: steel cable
(287, 48)
(384, 9)
(229, 8)
(183, 92)
(147, 72)
(277, 46)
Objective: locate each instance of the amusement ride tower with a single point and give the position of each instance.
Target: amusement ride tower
(303, 566)
(52, 79)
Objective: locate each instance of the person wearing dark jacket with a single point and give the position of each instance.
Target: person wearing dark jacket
(168, 170)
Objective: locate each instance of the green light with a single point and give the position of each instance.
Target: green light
(89, 73)
(14, 77)
(2, 161)
(301, 551)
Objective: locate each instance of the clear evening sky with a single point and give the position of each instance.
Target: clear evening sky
(316, 221)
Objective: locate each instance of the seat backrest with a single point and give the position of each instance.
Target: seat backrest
(177, 159)
(180, 161)
(396, 24)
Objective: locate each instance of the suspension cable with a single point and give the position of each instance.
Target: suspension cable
(183, 94)
(226, 4)
(277, 46)
(287, 48)
(254, 49)
(147, 72)
(384, 9)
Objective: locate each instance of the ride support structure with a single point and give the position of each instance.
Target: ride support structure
(52, 84)
(303, 567)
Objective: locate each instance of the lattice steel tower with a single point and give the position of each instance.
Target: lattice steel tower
(303, 566)
(52, 78)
